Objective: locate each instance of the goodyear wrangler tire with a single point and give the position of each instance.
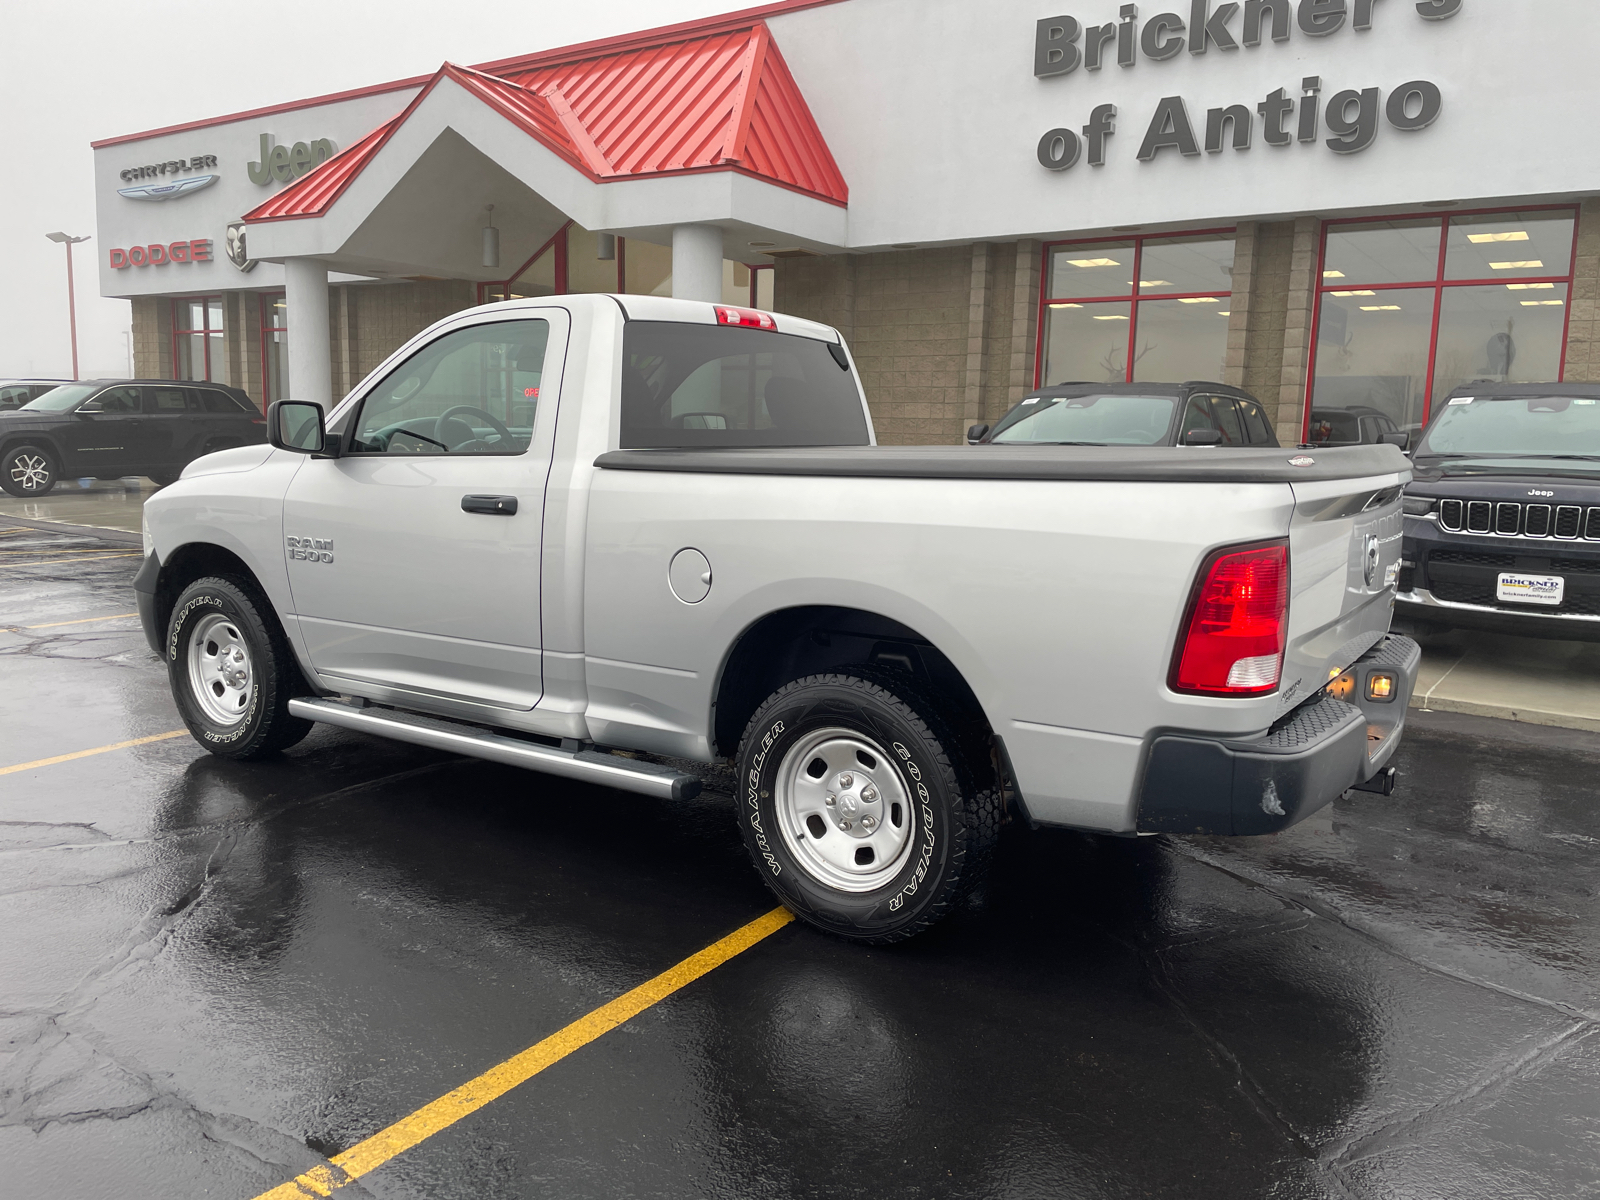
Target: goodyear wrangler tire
(232, 671)
(857, 808)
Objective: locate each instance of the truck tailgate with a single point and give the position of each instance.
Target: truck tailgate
(1344, 541)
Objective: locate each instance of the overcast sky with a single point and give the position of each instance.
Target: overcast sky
(76, 72)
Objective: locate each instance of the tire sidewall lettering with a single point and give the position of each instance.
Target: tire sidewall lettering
(761, 766)
(178, 629)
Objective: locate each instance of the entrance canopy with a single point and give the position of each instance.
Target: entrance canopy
(708, 130)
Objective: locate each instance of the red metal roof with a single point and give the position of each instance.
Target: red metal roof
(722, 101)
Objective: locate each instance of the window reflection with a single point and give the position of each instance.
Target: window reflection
(1087, 342)
(1500, 335)
(1381, 252)
(1372, 355)
(1181, 339)
(1510, 246)
(1388, 353)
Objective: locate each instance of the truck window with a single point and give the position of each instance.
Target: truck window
(472, 391)
(717, 385)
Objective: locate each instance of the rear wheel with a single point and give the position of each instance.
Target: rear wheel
(232, 672)
(28, 471)
(859, 810)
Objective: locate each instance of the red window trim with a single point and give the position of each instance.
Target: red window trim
(205, 301)
(1438, 284)
(1130, 297)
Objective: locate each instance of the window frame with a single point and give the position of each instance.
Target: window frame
(1438, 284)
(350, 421)
(1130, 297)
(181, 330)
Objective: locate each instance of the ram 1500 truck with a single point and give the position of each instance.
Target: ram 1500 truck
(550, 530)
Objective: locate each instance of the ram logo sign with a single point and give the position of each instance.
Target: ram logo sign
(310, 549)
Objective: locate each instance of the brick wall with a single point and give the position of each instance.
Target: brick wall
(152, 337)
(934, 332)
(1583, 332)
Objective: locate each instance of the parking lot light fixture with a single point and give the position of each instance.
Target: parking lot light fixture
(67, 240)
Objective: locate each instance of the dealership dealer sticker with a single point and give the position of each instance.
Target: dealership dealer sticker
(1302, 461)
(1516, 588)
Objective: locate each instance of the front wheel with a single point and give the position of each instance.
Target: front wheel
(858, 809)
(27, 471)
(232, 672)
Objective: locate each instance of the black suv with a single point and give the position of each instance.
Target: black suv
(1502, 525)
(1132, 414)
(107, 428)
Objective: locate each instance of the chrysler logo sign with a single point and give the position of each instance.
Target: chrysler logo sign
(159, 187)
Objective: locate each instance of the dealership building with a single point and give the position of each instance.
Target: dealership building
(1346, 207)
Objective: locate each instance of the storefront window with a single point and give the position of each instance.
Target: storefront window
(1411, 309)
(1137, 310)
(274, 347)
(197, 337)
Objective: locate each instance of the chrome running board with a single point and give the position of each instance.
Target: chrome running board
(591, 766)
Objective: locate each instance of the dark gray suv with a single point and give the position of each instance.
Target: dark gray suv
(108, 428)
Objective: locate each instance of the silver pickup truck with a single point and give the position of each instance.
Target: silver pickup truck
(613, 537)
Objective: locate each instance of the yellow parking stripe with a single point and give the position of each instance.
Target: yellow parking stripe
(61, 758)
(81, 621)
(94, 558)
(428, 1120)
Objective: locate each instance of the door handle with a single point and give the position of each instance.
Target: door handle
(494, 506)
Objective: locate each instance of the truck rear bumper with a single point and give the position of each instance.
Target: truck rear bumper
(1196, 784)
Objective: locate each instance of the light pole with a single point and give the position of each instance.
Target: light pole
(69, 241)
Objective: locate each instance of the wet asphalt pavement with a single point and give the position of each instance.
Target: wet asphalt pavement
(214, 976)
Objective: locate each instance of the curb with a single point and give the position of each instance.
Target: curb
(1527, 716)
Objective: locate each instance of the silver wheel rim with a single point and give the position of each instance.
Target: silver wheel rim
(843, 810)
(30, 472)
(221, 675)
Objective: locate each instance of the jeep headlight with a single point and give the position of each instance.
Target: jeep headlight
(1420, 506)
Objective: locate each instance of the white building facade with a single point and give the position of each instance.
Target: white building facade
(1344, 206)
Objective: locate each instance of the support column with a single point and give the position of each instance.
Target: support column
(697, 263)
(310, 354)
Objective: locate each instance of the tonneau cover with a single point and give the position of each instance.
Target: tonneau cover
(1159, 464)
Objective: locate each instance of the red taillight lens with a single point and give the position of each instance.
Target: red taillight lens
(1238, 625)
(750, 317)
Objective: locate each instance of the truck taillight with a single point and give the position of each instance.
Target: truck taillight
(749, 317)
(1238, 624)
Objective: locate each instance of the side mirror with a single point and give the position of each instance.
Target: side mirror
(296, 425)
(976, 434)
(1402, 440)
(1203, 437)
(89, 408)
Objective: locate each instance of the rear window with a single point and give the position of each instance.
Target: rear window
(688, 386)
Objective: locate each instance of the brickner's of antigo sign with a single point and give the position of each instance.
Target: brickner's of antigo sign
(1351, 116)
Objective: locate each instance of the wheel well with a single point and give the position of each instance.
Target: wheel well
(31, 439)
(196, 561)
(795, 642)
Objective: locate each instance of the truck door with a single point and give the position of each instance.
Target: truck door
(414, 556)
